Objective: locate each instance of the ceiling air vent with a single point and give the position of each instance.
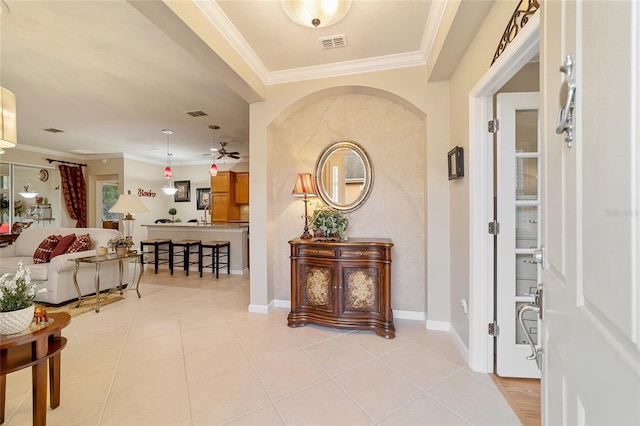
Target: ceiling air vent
(53, 130)
(197, 113)
(333, 42)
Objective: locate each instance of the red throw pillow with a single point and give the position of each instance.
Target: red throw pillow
(43, 252)
(81, 243)
(63, 245)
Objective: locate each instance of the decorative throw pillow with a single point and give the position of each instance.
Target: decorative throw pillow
(63, 245)
(43, 252)
(81, 243)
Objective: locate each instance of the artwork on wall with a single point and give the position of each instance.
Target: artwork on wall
(184, 191)
(456, 163)
(202, 198)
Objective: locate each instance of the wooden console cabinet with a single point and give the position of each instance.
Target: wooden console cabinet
(342, 284)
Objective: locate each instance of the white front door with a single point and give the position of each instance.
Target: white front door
(590, 216)
(518, 213)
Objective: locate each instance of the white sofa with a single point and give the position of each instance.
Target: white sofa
(57, 276)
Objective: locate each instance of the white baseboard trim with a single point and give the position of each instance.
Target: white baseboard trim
(409, 315)
(438, 325)
(459, 343)
(277, 303)
(259, 309)
(264, 309)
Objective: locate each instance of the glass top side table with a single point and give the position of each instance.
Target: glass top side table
(98, 261)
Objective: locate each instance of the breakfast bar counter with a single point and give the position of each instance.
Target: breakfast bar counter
(236, 234)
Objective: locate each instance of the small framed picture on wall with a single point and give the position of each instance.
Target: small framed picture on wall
(202, 198)
(184, 191)
(456, 163)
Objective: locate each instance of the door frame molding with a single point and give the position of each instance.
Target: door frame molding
(481, 275)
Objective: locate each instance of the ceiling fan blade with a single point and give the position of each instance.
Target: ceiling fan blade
(235, 156)
(234, 153)
(220, 156)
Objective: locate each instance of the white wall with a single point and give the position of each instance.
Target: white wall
(475, 62)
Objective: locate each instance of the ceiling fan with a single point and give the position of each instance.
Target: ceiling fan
(222, 152)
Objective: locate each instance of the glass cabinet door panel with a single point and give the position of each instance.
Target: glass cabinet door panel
(526, 227)
(526, 178)
(526, 130)
(526, 275)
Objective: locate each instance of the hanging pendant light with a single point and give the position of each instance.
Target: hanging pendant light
(213, 170)
(167, 170)
(168, 189)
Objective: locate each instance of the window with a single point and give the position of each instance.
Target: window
(110, 194)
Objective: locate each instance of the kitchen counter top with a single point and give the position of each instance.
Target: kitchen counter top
(236, 233)
(199, 225)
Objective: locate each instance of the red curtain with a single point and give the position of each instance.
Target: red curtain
(75, 193)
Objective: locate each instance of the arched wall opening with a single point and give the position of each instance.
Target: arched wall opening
(393, 132)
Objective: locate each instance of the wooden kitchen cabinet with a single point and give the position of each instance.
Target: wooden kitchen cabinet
(222, 181)
(342, 284)
(242, 188)
(223, 204)
(219, 207)
(229, 191)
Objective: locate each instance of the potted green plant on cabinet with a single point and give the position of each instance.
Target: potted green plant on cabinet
(329, 224)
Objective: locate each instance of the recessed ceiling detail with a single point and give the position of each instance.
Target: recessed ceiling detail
(53, 130)
(333, 42)
(197, 113)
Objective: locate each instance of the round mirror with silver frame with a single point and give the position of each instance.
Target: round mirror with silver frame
(344, 176)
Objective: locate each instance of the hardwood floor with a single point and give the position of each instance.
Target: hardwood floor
(523, 395)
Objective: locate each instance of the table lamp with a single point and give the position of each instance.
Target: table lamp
(305, 187)
(126, 205)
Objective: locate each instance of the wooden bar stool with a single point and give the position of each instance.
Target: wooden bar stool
(188, 248)
(219, 250)
(160, 246)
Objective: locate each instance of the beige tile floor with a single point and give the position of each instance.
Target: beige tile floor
(189, 353)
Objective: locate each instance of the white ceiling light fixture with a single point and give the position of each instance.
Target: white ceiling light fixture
(27, 193)
(316, 13)
(168, 189)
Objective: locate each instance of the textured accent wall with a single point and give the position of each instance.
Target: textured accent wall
(394, 139)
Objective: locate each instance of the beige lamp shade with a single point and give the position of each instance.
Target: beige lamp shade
(8, 123)
(128, 204)
(304, 186)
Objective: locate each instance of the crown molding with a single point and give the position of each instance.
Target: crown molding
(434, 20)
(381, 63)
(219, 20)
(47, 151)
